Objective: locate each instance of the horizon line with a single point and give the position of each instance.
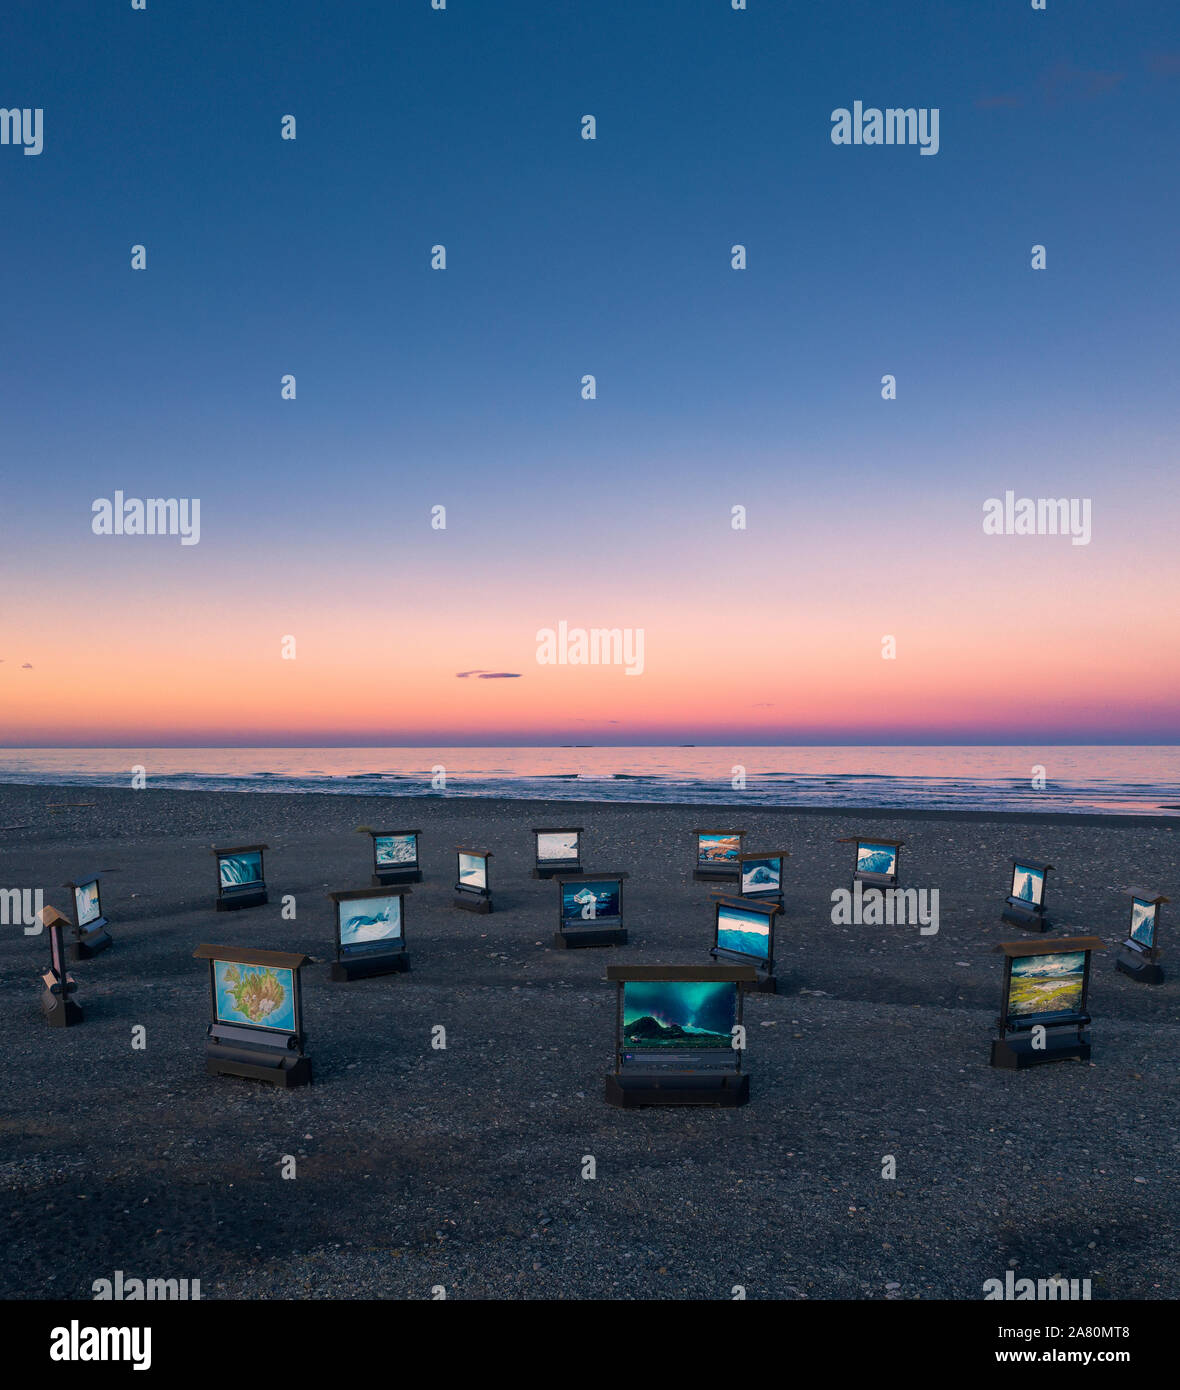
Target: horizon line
(438, 743)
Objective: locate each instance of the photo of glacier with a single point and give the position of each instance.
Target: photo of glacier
(473, 871)
(875, 859)
(1143, 922)
(667, 1015)
(239, 870)
(743, 930)
(762, 875)
(86, 902)
(718, 849)
(391, 850)
(1028, 884)
(589, 902)
(557, 844)
(365, 920)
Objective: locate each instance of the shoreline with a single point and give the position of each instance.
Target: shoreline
(1098, 819)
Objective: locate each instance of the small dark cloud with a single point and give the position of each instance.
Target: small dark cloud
(1163, 64)
(1067, 82)
(764, 704)
(28, 666)
(489, 675)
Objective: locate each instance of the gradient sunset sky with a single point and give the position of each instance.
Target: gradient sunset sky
(612, 257)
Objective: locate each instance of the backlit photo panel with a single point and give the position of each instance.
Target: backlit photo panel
(717, 850)
(762, 875)
(557, 845)
(240, 870)
(665, 1016)
(395, 851)
(874, 858)
(1143, 919)
(86, 904)
(1028, 884)
(1046, 985)
(365, 922)
(743, 930)
(473, 870)
(589, 902)
(256, 996)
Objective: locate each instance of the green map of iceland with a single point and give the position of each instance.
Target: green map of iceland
(256, 993)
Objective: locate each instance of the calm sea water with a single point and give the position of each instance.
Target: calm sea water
(1144, 780)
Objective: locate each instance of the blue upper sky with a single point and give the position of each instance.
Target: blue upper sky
(566, 257)
(462, 127)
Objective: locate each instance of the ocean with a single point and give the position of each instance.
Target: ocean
(1111, 780)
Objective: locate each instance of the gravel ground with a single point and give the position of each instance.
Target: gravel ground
(463, 1168)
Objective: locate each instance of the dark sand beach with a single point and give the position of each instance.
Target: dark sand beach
(463, 1167)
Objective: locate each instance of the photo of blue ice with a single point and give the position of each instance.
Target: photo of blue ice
(390, 850)
(743, 930)
(875, 859)
(473, 871)
(557, 844)
(589, 902)
(1143, 922)
(1028, 884)
(240, 870)
(364, 920)
(86, 902)
(762, 875)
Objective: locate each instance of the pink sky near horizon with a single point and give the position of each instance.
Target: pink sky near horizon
(771, 635)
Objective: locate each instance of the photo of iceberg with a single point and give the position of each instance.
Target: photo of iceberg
(762, 875)
(240, 870)
(558, 844)
(875, 859)
(86, 902)
(743, 930)
(257, 995)
(391, 850)
(666, 1015)
(1028, 884)
(1143, 922)
(718, 849)
(365, 920)
(473, 871)
(1050, 984)
(589, 902)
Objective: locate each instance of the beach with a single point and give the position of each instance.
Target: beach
(463, 1168)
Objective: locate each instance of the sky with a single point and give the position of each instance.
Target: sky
(462, 388)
